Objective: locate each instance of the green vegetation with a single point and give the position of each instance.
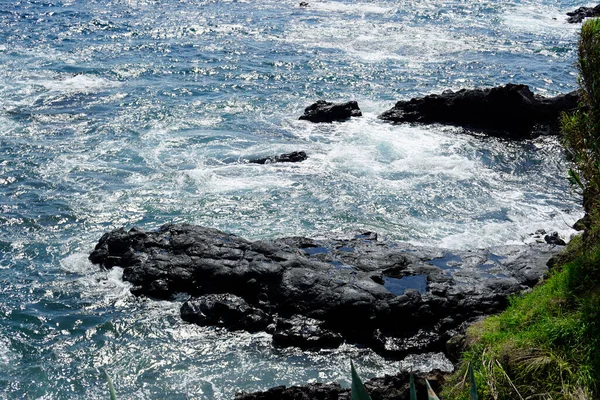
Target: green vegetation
(547, 343)
(111, 388)
(582, 128)
(358, 389)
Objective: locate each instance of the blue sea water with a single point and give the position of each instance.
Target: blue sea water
(142, 112)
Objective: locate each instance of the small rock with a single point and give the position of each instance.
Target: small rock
(554, 239)
(296, 156)
(323, 111)
(303, 4)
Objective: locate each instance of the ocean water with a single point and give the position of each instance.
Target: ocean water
(131, 112)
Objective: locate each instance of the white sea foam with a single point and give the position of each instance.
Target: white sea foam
(355, 7)
(80, 83)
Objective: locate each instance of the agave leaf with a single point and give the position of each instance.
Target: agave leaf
(413, 390)
(575, 179)
(111, 388)
(358, 389)
(430, 393)
(473, 388)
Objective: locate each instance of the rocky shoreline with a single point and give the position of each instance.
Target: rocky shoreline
(394, 298)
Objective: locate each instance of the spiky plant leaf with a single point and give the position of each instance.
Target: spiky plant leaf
(430, 393)
(472, 384)
(111, 388)
(413, 390)
(358, 389)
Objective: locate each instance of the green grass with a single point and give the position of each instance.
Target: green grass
(546, 344)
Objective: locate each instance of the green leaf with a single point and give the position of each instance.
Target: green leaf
(473, 388)
(358, 389)
(413, 390)
(111, 388)
(575, 179)
(430, 393)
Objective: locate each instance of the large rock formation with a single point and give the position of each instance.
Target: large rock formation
(323, 111)
(511, 110)
(582, 13)
(395, 298)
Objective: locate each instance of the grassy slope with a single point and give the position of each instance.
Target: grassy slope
(546, 344)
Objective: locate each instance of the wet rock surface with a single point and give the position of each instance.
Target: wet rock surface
(225, 310)
(392, 297)
(511, 111)
(390, 387)
(323, 111)
(293, 157)
(555, 239)
(305, 333)
(582, 13)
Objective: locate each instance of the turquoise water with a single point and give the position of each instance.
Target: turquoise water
(121, 113)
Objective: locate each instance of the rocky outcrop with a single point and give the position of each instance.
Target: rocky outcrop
(582, 13)
(393, 297)
(323, 111)
(511, 110)
(293, 157)
(390, 387)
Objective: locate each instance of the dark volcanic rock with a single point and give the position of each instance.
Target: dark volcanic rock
(296, 156)
(582, 13)
(313, 391)
(305, 333)
(225, 310)
(390, 387)
(511, 110)
(418, 299)
(323, 111)
(553, 238)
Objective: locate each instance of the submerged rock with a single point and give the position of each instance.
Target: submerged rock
(393, 297)
(323, 111)
(296, 156)
(582, 13)
(511, 110)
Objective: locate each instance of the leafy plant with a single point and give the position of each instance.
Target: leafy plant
(111, 388)
(358, 389)
(430, 393)
(413, 390)
(472, 384)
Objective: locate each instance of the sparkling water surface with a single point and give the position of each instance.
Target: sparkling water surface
(123, 113)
